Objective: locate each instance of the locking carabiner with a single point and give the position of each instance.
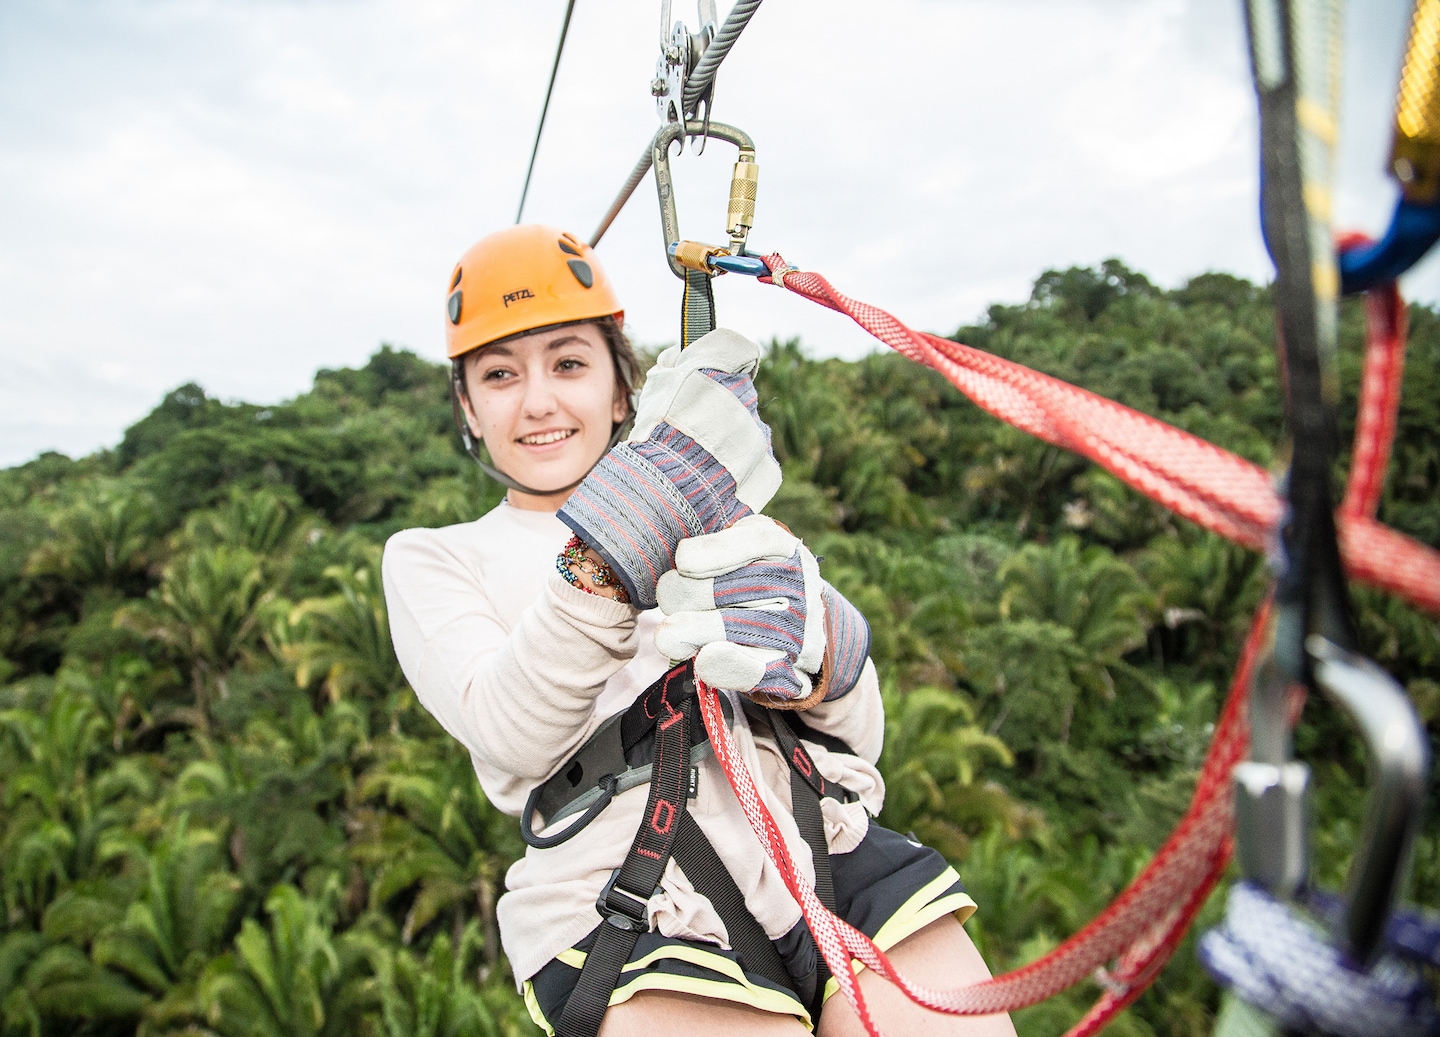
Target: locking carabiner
(1399, 762)
(697, 308)
(744, 180)
(1414, 163)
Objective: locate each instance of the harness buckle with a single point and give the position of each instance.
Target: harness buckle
(630, 912)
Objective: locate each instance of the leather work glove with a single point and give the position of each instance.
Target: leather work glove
(749, 605)
(697, 460)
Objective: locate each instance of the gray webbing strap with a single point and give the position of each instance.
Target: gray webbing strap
(697, 311)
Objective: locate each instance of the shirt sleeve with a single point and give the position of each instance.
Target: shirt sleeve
(521, 700)
(857, 718)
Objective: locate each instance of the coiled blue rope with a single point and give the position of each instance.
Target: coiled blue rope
(1281, 962)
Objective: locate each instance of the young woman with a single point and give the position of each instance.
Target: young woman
(525, 631)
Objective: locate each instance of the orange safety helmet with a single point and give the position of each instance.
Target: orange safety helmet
(521, 279)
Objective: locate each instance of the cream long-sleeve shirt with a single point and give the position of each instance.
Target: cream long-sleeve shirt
(521, 668)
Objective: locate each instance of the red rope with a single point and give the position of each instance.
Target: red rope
(1139, 965)
(1142, 926)
(1386, 326)
(1379, 401)
(1202, 482)
(1212, 487)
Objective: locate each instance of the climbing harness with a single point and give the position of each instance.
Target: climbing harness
(615, 759)
(1302, 637)
(659, 740)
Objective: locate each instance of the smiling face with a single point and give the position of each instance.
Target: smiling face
(545, 405)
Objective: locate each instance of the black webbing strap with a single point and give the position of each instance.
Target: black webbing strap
(805, 805)
(622, 903)
(784, 725)
(707, 873)
(1291, 66)
(697, 309)
(807, 787)
(811, 822)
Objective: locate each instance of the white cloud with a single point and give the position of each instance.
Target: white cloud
(240, 194)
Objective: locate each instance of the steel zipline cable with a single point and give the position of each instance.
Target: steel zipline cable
(696, 87)
(703, 77)
(545, 108)
(636, 175)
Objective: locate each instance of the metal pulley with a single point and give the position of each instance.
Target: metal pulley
(680, 52)
(684, 81)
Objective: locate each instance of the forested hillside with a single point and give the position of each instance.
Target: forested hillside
(224, 812)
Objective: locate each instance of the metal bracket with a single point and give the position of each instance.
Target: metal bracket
(680, 52)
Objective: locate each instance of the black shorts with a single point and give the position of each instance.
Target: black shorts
(887, 887)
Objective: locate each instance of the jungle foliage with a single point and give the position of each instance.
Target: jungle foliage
(223, 811)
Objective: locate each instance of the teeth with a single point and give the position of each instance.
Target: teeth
(547, 437)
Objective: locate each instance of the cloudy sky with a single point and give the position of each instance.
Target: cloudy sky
(237, 194)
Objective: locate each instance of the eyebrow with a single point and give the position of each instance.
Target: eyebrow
(566, 340)
(503, 349)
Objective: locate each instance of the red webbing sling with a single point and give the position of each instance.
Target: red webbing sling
(1213, 488)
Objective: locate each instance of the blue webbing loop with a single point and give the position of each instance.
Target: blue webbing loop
(1412, 231)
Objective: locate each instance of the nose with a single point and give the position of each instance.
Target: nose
(540, 398)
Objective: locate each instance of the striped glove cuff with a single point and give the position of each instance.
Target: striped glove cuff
(643, 498)
(847, 645)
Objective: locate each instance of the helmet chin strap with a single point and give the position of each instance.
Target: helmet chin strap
(472, 447)
(505, 480)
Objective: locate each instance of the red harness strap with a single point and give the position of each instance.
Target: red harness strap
(1200, 481)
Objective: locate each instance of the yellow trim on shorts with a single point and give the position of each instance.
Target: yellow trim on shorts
(738, 989)
(915, 914)
(532, 1005)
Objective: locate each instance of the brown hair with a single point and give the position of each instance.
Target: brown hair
(622, 355)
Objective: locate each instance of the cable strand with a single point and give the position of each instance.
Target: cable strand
(545, 108)
(636, 175)
(703, 77)
(696, 87)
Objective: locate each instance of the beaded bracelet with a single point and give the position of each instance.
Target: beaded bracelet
(600, 573)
